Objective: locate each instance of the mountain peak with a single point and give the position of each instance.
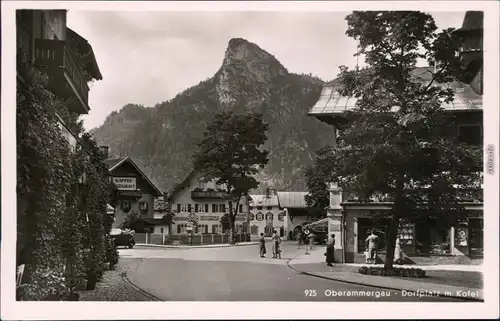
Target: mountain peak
(245, 65)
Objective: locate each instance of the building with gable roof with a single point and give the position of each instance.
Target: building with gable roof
(196, 200)
(266, 215)
(135, 191)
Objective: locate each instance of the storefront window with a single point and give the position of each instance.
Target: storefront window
(476, 237)
(432, 238)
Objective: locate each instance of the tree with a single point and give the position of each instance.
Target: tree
(399, 141)
(231, 153)
(168, 220)
(224, 222)
(129, 220)
(318, 198)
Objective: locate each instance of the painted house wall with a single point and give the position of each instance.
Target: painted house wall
(210, 218)
(142, 186)
(271, 216)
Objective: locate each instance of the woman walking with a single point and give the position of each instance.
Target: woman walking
(330, 250)
(262, 242)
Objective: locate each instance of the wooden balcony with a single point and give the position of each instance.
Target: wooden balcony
(65, 77)
(208, 195)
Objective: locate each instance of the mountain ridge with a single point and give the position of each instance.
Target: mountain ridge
(161, 139)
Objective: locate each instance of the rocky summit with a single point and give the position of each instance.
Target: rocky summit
(162, 139)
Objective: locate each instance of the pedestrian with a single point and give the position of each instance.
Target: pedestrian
(262, 245)
(398, 252)
(306, 241)
(311, 238)
(299, 238)
(276, 239)
(372, 241)
(330, 251)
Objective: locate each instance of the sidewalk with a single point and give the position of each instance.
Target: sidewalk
(195, 246)
(459, 281)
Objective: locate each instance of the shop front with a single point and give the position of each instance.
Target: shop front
(428, 240)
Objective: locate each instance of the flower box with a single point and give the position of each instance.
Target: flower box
(401, 272)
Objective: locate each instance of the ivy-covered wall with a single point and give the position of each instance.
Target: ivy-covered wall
(61, 195)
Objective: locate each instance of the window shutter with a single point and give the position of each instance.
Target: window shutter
(189, 208)
(196, 208)
(178, 208)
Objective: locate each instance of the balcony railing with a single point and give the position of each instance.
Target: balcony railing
(65, 77)
(208, 195)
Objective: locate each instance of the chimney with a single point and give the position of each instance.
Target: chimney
(105, 151)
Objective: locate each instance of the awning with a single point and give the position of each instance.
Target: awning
(316, 224)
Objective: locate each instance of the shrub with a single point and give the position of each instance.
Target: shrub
(401, 272)
(61, 232)
(111, 252)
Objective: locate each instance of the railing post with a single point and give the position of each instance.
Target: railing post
(212, 238)
(201, 239)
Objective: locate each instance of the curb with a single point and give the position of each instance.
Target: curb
(193, 247)
(375, 286)
(136, 288)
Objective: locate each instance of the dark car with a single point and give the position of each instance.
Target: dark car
(123, 238)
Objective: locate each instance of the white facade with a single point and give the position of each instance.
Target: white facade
(204, 202)
(266, 215)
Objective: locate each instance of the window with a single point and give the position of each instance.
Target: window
(206, 208)
(203, 229)
(215, 229)
(178, 208)
(214, 208)
(161, 230)
(432, 237)
(202, 185)
(259, 208)
(181, 228)
(470, 134)
(189, 208)
(144, 206)
(222, 208)
(250, 208)
(241, 208)
(126, 206)
(196, 208)
(269, 208)
(184, 208)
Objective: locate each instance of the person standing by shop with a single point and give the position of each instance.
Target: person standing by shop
(262, 245)
(372, 241)
(330, 250)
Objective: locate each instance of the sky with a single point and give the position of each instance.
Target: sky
(149, 57)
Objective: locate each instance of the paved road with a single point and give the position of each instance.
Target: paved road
(239, 274)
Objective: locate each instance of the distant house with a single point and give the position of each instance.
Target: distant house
(295, 210)
(135, 191)
(266, 214)
(203, 202)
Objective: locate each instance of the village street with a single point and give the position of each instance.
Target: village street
(236, 274)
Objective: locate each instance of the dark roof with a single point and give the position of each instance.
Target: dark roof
(115, 163)
(179, 187)
(93, 67)
(473, 20)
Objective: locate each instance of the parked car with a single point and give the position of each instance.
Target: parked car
(123, 237)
